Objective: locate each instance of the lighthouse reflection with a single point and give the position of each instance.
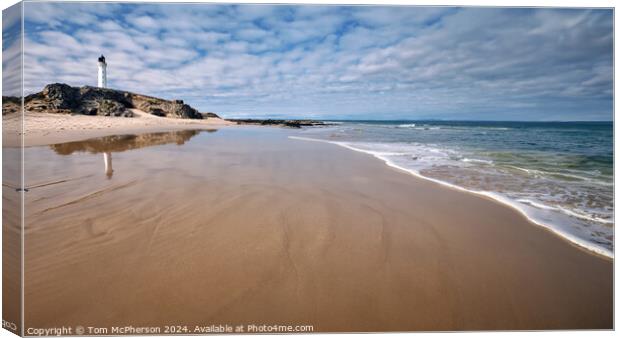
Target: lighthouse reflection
(107, 160)
(119, 143)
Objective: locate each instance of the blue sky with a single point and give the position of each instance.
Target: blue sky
(363, 62)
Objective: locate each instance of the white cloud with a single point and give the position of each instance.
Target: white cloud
(144, 22)
(336, 60)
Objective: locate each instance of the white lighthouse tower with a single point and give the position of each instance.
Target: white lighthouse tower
(102, 82)
(102, 78)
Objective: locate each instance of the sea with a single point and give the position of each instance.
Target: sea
(557, 174)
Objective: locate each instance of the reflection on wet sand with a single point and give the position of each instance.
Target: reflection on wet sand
(107, 160)
(118, 143)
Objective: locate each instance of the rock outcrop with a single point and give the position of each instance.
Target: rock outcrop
(210, 114)
(64, 99)
(161, 107)
(10, 104)
(281, 123)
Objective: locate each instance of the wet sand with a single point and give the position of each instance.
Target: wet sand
(11, 240)
(246, 226)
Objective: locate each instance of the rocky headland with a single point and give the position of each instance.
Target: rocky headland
(61, 98)
(49, 109)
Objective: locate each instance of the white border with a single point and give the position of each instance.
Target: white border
(482, 3)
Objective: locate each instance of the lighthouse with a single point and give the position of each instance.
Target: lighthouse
(102, 78)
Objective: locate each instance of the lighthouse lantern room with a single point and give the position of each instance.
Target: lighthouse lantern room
(102, 78)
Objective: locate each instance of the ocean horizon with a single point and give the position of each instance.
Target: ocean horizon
(450, 120)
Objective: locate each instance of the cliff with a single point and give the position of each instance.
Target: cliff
(64, 99)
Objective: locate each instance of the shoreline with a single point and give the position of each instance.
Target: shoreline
(358, 245)
(85, 127)
(569, 238)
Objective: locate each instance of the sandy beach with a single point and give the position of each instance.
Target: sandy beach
(245, 225)
(46, 128)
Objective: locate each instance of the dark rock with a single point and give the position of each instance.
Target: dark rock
(87, 100)
(91, 111)
(110, 108)
(88, 93)
(61, 96)
(282, 123)
(11, 99)
(11, 104)
(157, 112)
(160, 107)
(210, 114)
(185, 111)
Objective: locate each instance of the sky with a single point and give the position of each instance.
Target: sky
(333, 62)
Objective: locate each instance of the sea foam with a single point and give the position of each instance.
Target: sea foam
(556, 219)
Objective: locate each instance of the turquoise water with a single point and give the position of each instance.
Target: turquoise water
(559, 174)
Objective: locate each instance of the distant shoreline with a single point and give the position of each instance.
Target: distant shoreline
(291, 123)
